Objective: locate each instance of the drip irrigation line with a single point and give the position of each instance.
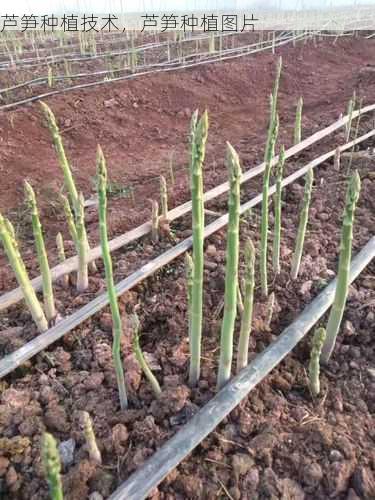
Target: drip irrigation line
(177, 61)
(79, 58)
(169, 456)
(42, 341)
(12, 297)
(28, 100)
(63, 47)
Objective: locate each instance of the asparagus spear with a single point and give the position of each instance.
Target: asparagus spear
(9, 241)
(314, 365)
(82, 273)
(52, 466)
(49, 302)
(163, 197)
(304, 215)
(249, 282)
(141, 359)
(199, 130)
(117, 324)
(278, 204)
(298, 124)
(231, 271)
(341, 293)
(62, 258)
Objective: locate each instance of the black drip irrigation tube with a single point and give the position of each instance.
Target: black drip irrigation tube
(142, 482)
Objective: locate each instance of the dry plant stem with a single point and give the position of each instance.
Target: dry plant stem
(314, 365)
(82, 273)
(48, 298)
(189, 272)
(298, 124)
(269, 312)
(349, 112)
(199, 130)
(65, 167)
(268, 155)
(265, 203)
(231, 271)
(116, 318)
(62, 258)
(355, 137)
(336, 160)
(92, 447)
(63, 160)
(301, 232)
(171, 169)
(163, 197)
(50, 77)
(9, 241)
(246, 319)
(155, 221)
(278, 208)
(341, 293)
(142, 360)
(52, 466)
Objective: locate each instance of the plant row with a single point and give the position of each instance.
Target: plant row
(238, 296)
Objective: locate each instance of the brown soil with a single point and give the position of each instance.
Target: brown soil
(280, 444)
(140, 123)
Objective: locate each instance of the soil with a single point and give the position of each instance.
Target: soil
(280, 443)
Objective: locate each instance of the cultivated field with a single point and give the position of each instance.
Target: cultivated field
(226, 187)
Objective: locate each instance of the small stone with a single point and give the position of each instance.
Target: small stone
(335, 456)
(66, 452)
(354, 365)
(211, 251)
(95, 496)
(348, 329)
